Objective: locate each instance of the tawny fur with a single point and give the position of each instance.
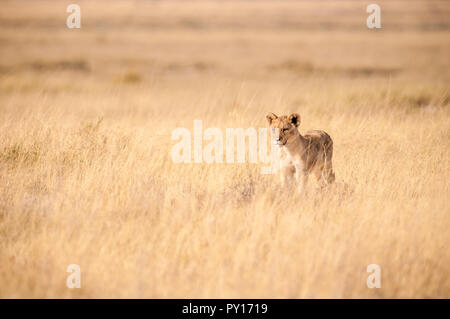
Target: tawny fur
(301, 155)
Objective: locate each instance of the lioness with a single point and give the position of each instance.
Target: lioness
(302, 154)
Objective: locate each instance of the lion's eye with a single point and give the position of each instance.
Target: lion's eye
(285, 129)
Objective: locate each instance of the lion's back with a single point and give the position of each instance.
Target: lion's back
(320, 138)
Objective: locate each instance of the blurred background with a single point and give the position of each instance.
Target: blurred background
(146, 41)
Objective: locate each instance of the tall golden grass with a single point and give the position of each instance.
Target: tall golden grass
(86, 175)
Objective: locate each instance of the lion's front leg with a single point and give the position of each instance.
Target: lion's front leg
(286, 173)
(301, 176)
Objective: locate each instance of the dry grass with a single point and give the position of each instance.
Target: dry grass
(85, 169)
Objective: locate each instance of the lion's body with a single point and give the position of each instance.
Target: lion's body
(301, 155)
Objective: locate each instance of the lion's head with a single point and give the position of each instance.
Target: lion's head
(284, 128)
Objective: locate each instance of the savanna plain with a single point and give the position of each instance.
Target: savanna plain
(87, 178)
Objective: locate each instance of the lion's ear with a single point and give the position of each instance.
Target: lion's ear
(270, 117)
(294, 119)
